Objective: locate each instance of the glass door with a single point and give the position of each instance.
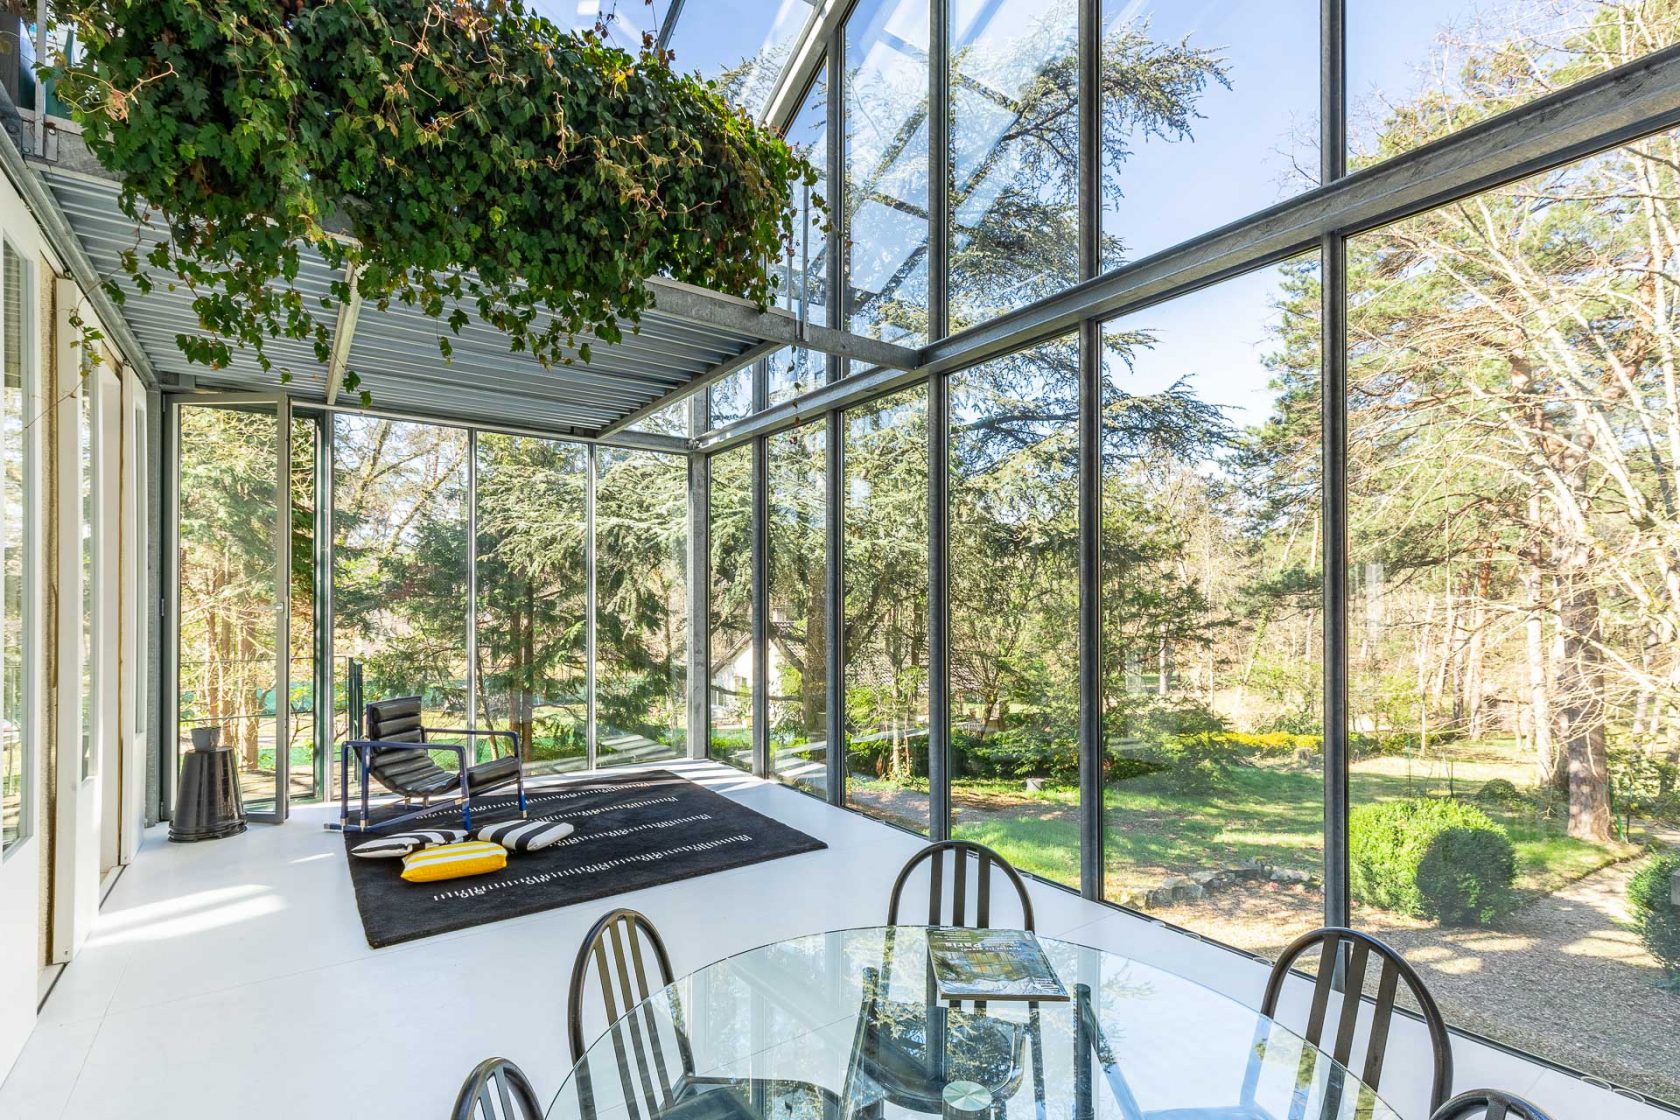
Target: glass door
(233, 568)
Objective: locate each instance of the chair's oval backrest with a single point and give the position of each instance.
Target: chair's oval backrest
(497, 1090)
(948, 861)
(1354, 952)
(629, 960)
(1491, 1104)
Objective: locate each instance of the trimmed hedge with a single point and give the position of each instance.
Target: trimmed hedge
(1655, 917)
(1430, 858)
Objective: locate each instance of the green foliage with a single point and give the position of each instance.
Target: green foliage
(1431, 858)
(1015, 753)
(1655, 917)
(484, 162)
(1499, 791)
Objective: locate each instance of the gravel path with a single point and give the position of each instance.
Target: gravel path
(1563, 977)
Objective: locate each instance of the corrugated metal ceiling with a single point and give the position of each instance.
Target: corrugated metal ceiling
(395, 350)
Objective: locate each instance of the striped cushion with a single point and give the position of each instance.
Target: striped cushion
(454, 861)
(525, 836)
(405, 843)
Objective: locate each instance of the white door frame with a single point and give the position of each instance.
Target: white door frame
(79, 812)
(136, 616)
(21, 878)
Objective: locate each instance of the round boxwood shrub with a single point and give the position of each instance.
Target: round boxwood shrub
(1430, 858)
(1498, 791)
(1655, 917)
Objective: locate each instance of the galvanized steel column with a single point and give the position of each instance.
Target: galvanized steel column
(834, 447)
(1091, 744)
(1333, 476)
(938, 432)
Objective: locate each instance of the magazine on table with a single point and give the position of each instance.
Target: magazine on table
(996, 964)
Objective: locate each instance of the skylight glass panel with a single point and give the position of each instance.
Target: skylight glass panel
(742, 44)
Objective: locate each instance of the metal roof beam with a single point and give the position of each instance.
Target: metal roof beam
(807, 58)
(685, 301)
(344, 331)
(698, 385)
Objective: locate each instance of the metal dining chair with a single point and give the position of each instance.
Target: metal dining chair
(1344, 958)
(900, 1046)
(630, 963)
(1491, 1104)
(987, 862)
(497, 1090)
(623, 949)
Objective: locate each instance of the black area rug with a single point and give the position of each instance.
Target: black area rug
(633, 830)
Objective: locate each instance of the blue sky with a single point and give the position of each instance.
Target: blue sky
(1246, 153)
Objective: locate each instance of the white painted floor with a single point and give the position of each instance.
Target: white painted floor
(231, 979)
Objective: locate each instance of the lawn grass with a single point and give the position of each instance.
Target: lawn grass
(1272, 812)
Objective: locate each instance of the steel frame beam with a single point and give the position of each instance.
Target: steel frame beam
(321, 562)
(637, 441)
(803, 64)
(1092, 744)
(938, 432)
(1333, 470)
(761, 760)
(472, 587)
(589, 597)
(834, 447)
(699, 591)
(344, 335)
(776, 326)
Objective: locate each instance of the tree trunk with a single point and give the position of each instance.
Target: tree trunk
(1581, 692)
(1539, 690)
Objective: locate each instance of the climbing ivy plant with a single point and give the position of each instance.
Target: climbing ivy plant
(466, 157)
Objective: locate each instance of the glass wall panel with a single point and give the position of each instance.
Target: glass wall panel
(731, 398)
(625, 21)
(1212, 620)
(1014, 154)
(1419, 71)
(1014, 533)
(804, 276)
(641, 606)
(886, 190)
(743, 45)
(305, 764)
(805, 269)
(798, 653)
(672, 421)
(532, 597)
(87, 471)
(794, 371)
(17, 532)
(400, 524)
(886, 566)
(730, 645)
(229, 490)
(1513, 663)
(1209, 112)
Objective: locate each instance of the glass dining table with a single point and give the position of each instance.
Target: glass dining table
(843, 1024)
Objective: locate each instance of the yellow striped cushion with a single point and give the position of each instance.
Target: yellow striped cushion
(454, 861)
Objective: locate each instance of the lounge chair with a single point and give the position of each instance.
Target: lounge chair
(396, 751)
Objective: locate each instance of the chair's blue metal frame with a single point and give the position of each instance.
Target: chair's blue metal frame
(364, 749)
